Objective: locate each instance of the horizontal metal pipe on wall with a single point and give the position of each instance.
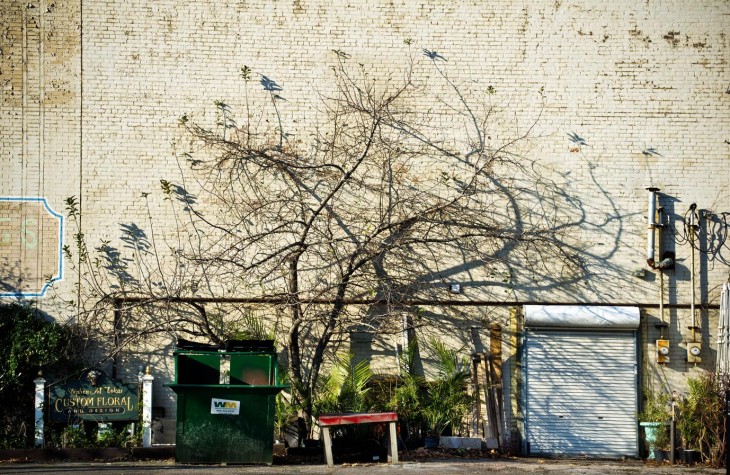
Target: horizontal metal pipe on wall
(452, 303)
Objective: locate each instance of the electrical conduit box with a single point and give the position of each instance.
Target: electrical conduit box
(662, 351)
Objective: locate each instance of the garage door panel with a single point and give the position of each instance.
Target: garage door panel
(581, 392)
(581, 377)
(596, 369)
(578, 405)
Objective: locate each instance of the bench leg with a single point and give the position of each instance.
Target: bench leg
(328, 447)
(393, 445)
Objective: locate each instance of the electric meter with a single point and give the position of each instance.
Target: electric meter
(694, 350)
(662, 351)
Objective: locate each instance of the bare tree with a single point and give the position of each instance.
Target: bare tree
(398, 184)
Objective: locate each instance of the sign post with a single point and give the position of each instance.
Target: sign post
(147, 408)
(40, 389)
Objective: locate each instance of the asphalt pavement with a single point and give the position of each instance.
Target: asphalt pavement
(441, 467)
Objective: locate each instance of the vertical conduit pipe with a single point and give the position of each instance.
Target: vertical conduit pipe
(651, 226)
(723, 334)
(692, 227)
(661, 277)
(726, 320)
(719, 366)
(726, 328)
(651, 251)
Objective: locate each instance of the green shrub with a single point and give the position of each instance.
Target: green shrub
(345, 388)
(447, 399)
(27, 344)
(701, 420)
(73, 436)
(657, 407)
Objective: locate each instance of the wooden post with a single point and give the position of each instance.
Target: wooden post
(515, 358)
(479, 420)
(495, 366)
(40, 393)
(328, 447)
(147, 408)
(393, 445)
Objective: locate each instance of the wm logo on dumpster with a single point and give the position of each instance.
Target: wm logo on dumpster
(225, 406)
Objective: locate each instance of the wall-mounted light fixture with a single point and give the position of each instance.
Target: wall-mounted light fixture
(455, 288)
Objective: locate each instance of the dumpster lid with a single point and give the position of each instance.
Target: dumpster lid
(231, 345)
(250, 345)
(183, 344)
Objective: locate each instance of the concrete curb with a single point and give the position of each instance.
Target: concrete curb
(108, 453)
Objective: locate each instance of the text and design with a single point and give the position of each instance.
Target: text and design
(225, 406)
(107, 401)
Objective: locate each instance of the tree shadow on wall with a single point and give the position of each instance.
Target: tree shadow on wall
(399, 191)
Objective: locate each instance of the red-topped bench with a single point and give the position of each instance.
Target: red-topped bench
(328, 420)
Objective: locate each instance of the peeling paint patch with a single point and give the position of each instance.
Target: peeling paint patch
(672, 38)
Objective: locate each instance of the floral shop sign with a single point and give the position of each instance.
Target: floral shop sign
(95, 397)
(31, 244)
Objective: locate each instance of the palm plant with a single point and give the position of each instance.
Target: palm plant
(285, 410)
(701, 421)
(407, 398)
(447, 399)
(345, 388)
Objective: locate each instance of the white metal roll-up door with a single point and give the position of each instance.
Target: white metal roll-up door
(581, 392)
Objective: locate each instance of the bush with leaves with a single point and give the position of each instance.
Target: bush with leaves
(701, 420)
(345, 388)
(72, 436)
(447, 399)
(27, 344)
(285, 412)
(87, 434)
(408, 396)
(657, 409)
(118, 435)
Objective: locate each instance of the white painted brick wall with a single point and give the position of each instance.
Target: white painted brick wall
(625, 76)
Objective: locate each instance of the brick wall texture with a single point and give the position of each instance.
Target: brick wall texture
(635, 94)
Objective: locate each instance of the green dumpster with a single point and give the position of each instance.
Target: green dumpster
(225, 401)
